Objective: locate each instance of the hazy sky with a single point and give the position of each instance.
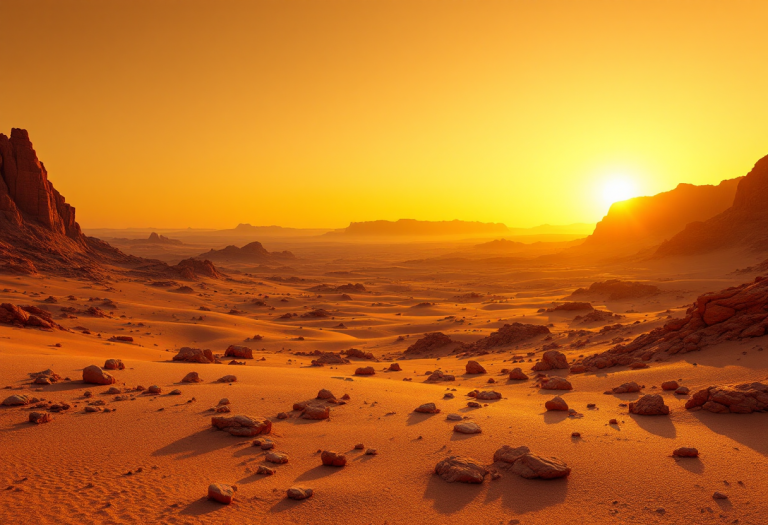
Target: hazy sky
(320, 112)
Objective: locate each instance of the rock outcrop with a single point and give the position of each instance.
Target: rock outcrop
(429, 343)
(738, 399)
(252, 252)
(744, 223)
(509, 334)
(735, 313)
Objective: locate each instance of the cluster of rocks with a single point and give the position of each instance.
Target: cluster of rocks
(194, 355)
(739, 399)
(241, 425)
(27, 317)
(519, 460)
(736, 313)
(429, 343)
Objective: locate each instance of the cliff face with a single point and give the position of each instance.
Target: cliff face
(745, 223)
(645, 221)
(26, 194)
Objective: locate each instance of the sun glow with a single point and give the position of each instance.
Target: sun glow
(618, 188)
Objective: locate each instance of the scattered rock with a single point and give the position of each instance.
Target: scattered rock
(518, 374)
(114, 364)
(556, 403)
(473, 367)
(552, 360)
(427, 408)
(40, 417)
(242, 425)
(626, 388)
(556, 383)
(315, 412)
(265, 471)
(395, 367)
(276, 457)
(240, 352)
(461, 469)
(529, 465)
(467, 428)
(16, 400)
(95, 375)
(299, 493)
(488, 395)
(227, 379)
(365, 371)
(333, 459)
(670, 385)
(325, 394)
(194, 355)
(221, 492)
(686, 452)
(192, 377)
(649, 405)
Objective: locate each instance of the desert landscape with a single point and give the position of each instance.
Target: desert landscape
(390, 371)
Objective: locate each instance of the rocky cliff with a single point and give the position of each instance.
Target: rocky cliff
(745, 223)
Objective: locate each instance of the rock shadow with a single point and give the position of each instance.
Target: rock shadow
(448, 498)
(662, 426)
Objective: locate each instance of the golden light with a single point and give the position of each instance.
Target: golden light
(618, 188)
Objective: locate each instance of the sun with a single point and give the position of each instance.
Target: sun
(618, 188)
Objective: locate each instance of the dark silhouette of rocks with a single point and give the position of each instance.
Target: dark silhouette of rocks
(642, 222)
(251, 252)
(744, 223)
(412, 227)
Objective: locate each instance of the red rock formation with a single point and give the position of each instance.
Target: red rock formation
(645, 221)
(429, 343)
(735, 313)
(745, 223)
(509, 334)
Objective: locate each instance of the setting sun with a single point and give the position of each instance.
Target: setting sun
(617, 189)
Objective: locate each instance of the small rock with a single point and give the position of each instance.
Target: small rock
(221, 492)
(333, 459)
(467, 428)
(299, 493)
(556, 403)
(276, 457)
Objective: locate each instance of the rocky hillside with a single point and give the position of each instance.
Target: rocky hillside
(646, 221)
(745, 223)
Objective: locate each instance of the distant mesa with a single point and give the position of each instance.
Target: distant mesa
(743, 224)
(412, 227)
(643, 222)
(252, 252)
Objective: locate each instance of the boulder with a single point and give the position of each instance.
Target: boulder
(551, 360)
(467, 428)
(315, 412)
(649, 405)
(299, 493)
(240, 425)
(276, 457)
(461, 469)
(686, 452)
(531, 466)
(191, 377)
(227, 379)
(365, 371)
(95, 375)
(221, 492)
(670, 385)
(333, 459)
(427, 408)
(325, 394)
(473, 367)
(114, 364)
(395, 367)
(487, 395)
(194, 355)
(556, 403)
(40, 417)
(518, 374)
(626, 388)
(240, 352)
(556, 383)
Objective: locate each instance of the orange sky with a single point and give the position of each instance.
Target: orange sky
(316, 113)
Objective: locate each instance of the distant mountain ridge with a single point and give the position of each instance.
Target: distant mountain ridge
(413, 227)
